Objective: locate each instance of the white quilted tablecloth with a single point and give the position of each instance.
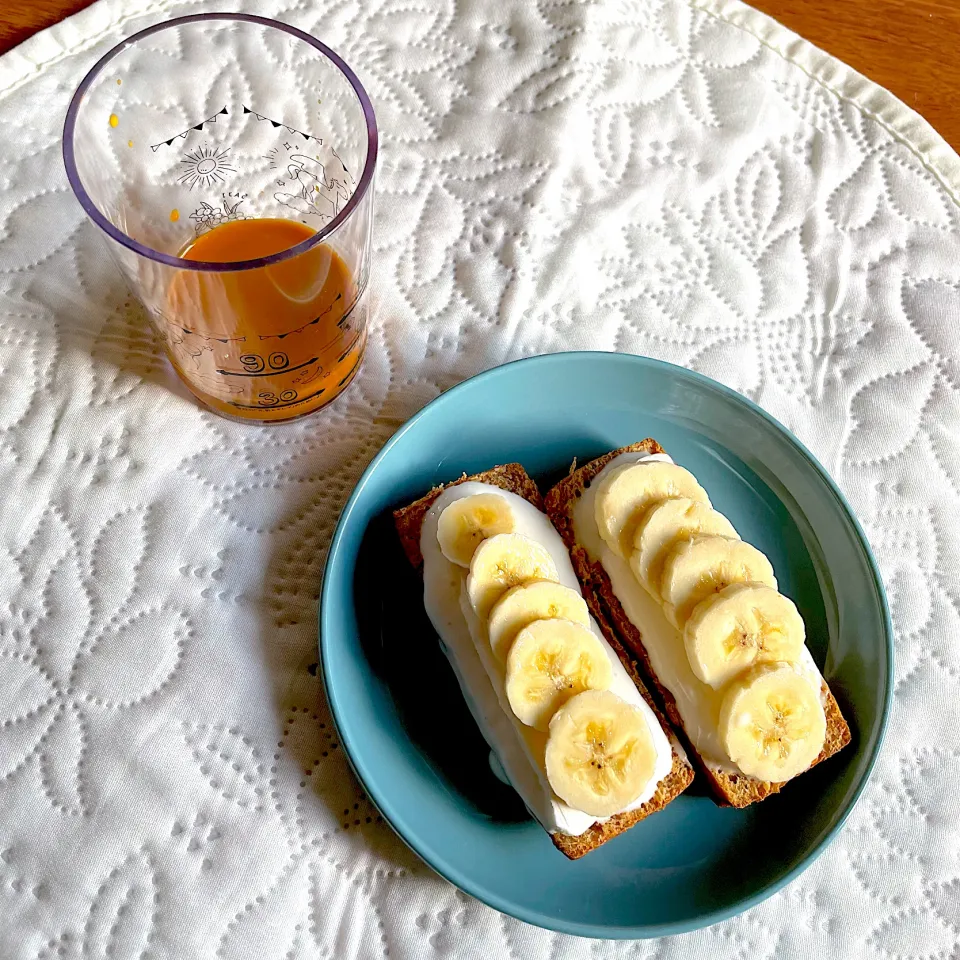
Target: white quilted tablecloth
(680, 179)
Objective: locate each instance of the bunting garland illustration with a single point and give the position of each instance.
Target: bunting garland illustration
(183, 134)
(278, 123)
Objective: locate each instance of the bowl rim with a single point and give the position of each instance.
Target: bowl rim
(452, 873)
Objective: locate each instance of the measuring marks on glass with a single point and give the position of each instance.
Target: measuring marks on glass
(254, 365)
(276, 364)
(273, 365)
(269, 367)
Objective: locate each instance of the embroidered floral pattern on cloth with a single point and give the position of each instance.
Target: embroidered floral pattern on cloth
(680, 179)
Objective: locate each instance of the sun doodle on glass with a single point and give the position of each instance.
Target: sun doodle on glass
(206, 167)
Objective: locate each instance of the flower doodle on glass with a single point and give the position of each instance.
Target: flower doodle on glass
(77, 639)
(207, 216)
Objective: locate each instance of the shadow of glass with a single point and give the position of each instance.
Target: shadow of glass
(130, 346)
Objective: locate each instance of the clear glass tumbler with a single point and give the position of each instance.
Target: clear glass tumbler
(229, 160)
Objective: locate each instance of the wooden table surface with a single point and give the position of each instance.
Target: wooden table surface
(911, 47)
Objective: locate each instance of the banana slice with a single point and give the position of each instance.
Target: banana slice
(600, 754)
(626, 493)
(549, 662)
(466, 522)
(662, 526)
(772, 723)
(696, 568)
(535, 600)
(502, 562)
(743, 624)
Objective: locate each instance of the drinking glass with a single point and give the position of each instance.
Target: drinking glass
(229, 161)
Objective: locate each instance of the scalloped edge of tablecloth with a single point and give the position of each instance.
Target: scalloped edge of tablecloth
(86, 28)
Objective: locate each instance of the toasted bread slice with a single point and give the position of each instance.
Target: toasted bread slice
(730, 788)
(512, 477)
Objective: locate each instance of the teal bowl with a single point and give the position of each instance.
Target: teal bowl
(407, 731)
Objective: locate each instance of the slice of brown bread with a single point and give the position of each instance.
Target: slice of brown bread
(512, 477)
(730, 788)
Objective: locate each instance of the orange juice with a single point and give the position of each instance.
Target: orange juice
(271, 343)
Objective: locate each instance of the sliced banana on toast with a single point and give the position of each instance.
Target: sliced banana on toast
(627, 492)
(528, 602)
(772, 722)
(665, 524)
(600, 754)
(549, 662)
(467, 522)
(743, 624)
(696, 568)
(504, 561)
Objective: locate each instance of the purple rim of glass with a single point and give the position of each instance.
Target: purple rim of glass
(73, 175)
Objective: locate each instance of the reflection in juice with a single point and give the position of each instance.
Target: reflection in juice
(272, 343)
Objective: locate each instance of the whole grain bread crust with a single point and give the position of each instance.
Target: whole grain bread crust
(730, 788)
(512, 477)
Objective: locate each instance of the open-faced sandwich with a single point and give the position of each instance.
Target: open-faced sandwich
(556, 696)
(700, 609)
